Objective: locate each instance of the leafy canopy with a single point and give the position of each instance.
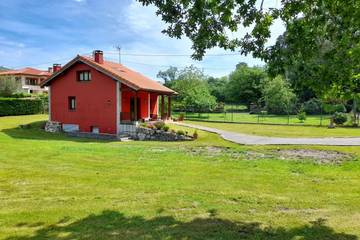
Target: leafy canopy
(245, 84)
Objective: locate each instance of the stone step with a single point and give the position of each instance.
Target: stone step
(126, 139)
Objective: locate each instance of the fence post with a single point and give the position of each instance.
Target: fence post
(321, 114)
(232, 114)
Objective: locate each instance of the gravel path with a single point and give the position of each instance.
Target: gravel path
(261, 140)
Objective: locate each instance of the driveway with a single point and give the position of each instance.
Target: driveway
(261, 140)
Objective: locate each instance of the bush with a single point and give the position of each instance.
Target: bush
(278, 96)
(44, 101)
(195, 135)
(219, 108)
(180, 132)
(166, 128)
(340, 118)
(21, 95)
(9, 86)
(181, 117)
(159, 125)
(333, 108)
(20, 106)
(301, 115)
(313, 106)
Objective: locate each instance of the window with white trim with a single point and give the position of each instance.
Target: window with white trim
(84, 76)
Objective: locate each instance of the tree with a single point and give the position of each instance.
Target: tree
(217, 87)
(194, 94)
(245, 84)
(320, 51)
(8, 86)
(278, 97)
(207, 23)
(168, 75)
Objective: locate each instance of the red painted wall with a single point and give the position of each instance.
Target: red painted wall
(127, 93)
(95, 100)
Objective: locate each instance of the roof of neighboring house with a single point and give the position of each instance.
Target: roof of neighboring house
(119, 72)
(26, 71)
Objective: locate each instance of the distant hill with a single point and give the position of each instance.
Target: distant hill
(4, 68)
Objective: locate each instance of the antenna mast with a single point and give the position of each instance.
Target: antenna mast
(118, 48)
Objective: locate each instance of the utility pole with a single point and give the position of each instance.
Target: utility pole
(118, 48)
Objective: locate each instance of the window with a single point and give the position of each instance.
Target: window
(84, 76)
(31, 81)
(72, 103)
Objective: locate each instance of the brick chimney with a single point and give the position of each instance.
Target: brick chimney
(56, 67)
(99, 56)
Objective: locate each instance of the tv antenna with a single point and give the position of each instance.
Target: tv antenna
(118, 48)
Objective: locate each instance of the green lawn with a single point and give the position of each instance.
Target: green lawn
(282, 131)
(54, 187)
(244, 117)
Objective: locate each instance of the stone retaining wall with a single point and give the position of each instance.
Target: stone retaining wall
(53, 127)
(148, 134)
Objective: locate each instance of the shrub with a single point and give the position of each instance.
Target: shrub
(340, 118)
(180, 132)
(44, 101)
(166, 128)
(149, 125)
(195, 135)
(159, 125)
(181, 117)
(333, 108)
(313, 106)
(21, 95)
(219, 108)
(20, 106)
(8, 86)
(278, 96)
(301, 115)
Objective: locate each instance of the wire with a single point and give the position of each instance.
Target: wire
(47, 63)
(173, 55)
(139, 63)
(181, 67)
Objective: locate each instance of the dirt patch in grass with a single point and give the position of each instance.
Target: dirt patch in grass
(215, 151)
(317, 156)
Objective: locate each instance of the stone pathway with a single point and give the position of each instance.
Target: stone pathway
(261, 140)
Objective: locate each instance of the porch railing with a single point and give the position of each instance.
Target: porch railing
(128, 117)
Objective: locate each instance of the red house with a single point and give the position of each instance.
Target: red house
(90, 94)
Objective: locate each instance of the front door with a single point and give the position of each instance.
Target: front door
(132, 108)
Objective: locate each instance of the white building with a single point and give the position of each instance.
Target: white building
(30, 78)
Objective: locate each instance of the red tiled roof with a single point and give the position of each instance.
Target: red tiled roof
(121, 73)
(26, 71)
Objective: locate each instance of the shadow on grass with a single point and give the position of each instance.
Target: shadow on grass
(115, 225)
(35, 131)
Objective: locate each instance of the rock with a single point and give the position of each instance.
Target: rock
(53, 127)
(145, 134)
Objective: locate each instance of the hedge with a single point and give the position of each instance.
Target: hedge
(20, 106)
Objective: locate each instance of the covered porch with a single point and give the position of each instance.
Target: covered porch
(136, 106)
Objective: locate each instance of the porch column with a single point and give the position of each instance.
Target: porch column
(149, 102)
(118, 106)
(169, 107)
(49, 102)
(135, 106)
(162, 107)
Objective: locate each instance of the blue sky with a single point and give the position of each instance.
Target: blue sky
(38, 33)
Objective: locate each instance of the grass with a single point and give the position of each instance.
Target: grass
(282, 131)
(244, 117)
(55, 187)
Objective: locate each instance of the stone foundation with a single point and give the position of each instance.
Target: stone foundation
(53, 127)
(148, 134)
